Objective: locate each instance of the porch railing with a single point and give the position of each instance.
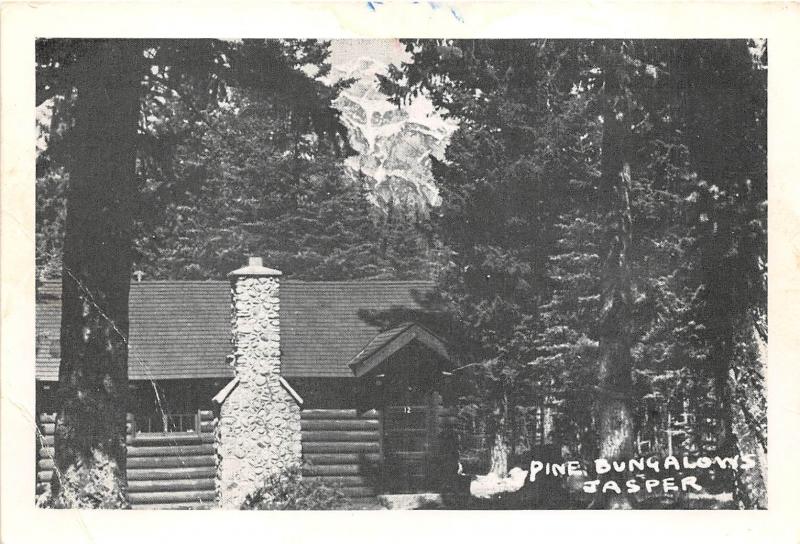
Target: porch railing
(168, 423)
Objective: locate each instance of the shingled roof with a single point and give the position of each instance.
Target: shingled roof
(382, 346)
(182, 329)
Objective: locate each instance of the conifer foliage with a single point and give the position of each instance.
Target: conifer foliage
(598, 199)
(109, 94)
(601, 242)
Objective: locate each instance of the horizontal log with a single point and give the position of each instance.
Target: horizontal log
(174, 473)
(197, 484)
(45, 464)
(207, 426)
(46, 440)
(340, 425)
(47, 452)
(42, 488)
(331, 413)
(168, 462)
(47, 428)
(169, 439)
(340, 447)
(44, 476)
(174, 506)
(340, 481)
(335, 470)
(206, 415)
(171, 451)
(340, 436)
(47, 418)
(338, 414)
(341, 458)
(205, 497)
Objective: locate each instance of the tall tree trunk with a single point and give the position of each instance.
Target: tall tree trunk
(725, 115)
(613, 411)
(501, 448)
(93, 376)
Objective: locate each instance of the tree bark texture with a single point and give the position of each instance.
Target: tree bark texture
(613, 404)
(501, 448)
(93, 375)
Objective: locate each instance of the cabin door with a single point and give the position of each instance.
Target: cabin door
(408, 436)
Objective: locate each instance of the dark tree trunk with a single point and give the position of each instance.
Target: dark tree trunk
(722, 108)
(613, 410)
(93, 376)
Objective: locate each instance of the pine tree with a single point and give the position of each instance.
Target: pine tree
(723, 84)
(111, 81)
(241, 179)
(616, 258)
(497, 185)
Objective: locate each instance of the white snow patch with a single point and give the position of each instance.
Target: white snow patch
(486, 486)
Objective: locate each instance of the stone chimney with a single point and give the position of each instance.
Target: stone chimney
(259, 425)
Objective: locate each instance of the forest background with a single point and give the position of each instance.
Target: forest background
(599, 232)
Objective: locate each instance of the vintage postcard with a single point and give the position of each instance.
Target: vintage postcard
(377, 257)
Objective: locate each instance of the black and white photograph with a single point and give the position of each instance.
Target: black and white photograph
(403, 274)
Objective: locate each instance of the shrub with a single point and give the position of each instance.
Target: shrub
(289, 491)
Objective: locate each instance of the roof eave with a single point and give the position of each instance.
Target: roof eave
(362, 367)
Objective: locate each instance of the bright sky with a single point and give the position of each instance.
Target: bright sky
(385, 51)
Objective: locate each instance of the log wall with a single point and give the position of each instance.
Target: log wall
(340, 446)
(343, 448)
(165, 471)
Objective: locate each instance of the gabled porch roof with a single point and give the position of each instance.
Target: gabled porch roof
(385, 344)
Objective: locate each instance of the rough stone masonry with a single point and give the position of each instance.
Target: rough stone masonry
(259, 426)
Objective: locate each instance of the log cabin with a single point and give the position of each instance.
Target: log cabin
(355, 363)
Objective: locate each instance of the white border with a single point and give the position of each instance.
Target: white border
(21, 23)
